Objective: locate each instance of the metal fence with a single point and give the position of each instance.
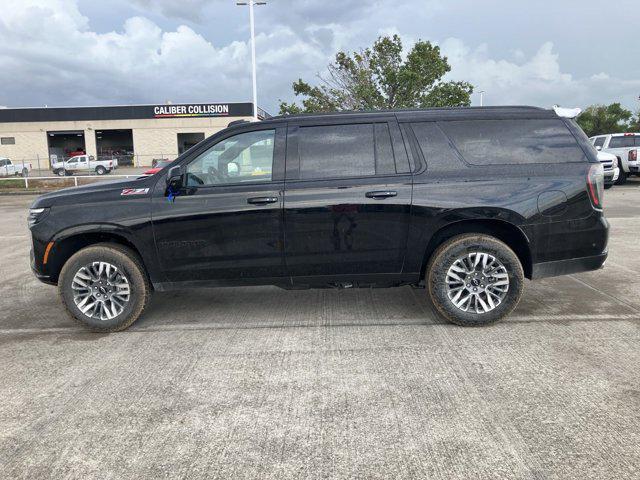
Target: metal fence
(40, 167)
(55, 182)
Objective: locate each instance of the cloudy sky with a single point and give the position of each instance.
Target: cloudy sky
(85, 52)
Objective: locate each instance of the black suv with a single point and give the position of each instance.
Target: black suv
(464, 202)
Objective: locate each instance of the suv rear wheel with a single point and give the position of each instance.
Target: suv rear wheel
(474, 280)
(100, 170)
(104, 287)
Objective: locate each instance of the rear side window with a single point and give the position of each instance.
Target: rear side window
(623, 141)
(334, 151)
(599, 142)
(436, 148)
(504, 142)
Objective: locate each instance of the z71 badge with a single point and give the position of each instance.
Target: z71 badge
(134, 191)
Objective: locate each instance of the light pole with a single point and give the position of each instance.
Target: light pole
(481, 92)
(251, 3)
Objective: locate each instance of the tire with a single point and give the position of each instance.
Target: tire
(133, 276)
(100, 170)
(61, 172)
(607, 186)
(622, 178)
(463, 248)
(25, 172)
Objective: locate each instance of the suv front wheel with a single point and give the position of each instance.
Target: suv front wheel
(104, 287)
(474, 280)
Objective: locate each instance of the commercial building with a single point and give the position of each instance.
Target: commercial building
(134, 134)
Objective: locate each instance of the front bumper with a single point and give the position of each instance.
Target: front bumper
(38, 274)
(610, 177)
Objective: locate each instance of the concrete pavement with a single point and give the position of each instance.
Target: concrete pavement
(264, 383)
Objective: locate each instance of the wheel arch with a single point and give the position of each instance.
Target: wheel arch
(504, 231)
(66, 244)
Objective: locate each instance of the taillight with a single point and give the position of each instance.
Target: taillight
(595, 185)
(633, 155)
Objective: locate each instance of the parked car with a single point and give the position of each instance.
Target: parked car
(625, 147)
(9, 169)
(81, 163)
(611, 170)
(463, 202)
(159, 166)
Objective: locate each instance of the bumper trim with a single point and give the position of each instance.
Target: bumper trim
(565, 267)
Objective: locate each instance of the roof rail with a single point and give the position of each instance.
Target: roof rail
(237, 122)
(567, 112)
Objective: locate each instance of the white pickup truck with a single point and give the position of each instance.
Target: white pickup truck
(82, 163)
(625, 147)
(9, 169)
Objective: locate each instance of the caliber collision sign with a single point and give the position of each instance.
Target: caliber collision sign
(197, 110)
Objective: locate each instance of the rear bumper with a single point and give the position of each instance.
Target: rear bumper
(565, 267)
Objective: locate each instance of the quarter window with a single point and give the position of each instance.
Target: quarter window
(246, 157)
(335, 151)
(503, 142)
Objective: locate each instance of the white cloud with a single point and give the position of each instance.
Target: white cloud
(538, 80)
(65, 62)
(50, 55)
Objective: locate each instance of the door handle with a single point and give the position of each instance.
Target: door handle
(262, 200)
(382, 194)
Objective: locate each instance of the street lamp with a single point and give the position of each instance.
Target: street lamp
(251, 3)
(481, 92)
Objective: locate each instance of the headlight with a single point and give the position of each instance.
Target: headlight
(35, 215)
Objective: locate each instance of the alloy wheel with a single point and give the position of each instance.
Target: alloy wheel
(477, 282)
(100, 290)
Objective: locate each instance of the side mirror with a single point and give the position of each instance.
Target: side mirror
(174, 178)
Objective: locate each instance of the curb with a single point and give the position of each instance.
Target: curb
(28, 192)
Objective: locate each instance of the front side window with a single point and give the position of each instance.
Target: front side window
(246, 157)
(508, 142)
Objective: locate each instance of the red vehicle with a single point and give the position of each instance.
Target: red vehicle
(75, 153)
(159, 166)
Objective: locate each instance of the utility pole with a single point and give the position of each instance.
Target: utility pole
(251, 3)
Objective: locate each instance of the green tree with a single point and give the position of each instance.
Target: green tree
(601, 119)
(381, 78)
(634, 124)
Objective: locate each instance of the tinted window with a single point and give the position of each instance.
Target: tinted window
(383, 149)
(340, 151)
(246, 157)
(622, 142)
(436, 148)
(599, 142)
(500, 142)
